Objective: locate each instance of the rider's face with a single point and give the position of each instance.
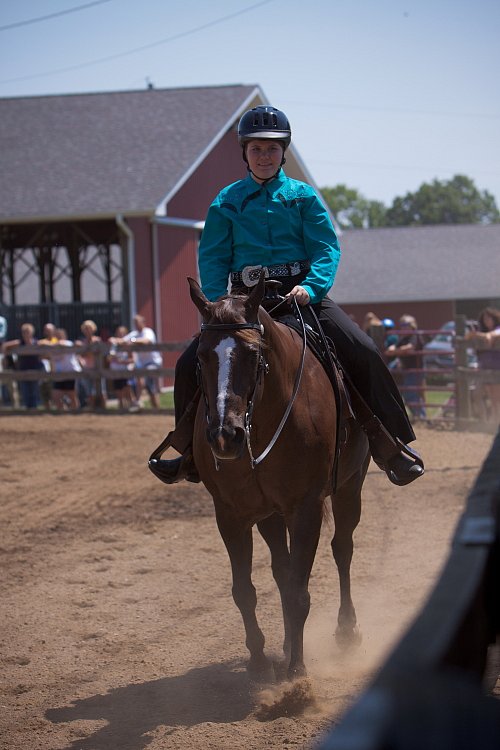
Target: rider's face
(264, 158)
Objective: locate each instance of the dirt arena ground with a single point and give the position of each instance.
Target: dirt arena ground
(118, 630)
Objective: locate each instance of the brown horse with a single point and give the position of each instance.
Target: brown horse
(264, 446)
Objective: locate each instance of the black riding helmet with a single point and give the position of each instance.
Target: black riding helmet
(264, 122)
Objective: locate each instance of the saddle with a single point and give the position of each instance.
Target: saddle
(324, 350)
(350, 404)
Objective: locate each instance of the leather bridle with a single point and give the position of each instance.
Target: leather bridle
(262, 369)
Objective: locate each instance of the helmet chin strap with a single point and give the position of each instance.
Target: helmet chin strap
(267, 179)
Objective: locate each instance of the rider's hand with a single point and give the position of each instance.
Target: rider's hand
(301, 295)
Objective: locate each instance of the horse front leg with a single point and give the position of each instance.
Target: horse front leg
(304, 537)
(346, 506)
(239, 544)
(273, 531)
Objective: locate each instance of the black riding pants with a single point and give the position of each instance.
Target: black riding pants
(355, 350)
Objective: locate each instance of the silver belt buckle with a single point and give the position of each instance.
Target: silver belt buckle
(294, 269)
(251, 274)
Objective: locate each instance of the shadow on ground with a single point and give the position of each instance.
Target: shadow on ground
(217, 693)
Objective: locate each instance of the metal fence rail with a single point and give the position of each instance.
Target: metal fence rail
(430, 693)
(462, 382)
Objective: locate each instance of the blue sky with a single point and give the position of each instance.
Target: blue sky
(381, 95)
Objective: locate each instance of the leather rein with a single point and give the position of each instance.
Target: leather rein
(263, 367)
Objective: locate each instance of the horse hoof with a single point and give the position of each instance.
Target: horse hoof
(280, 669)
(348, 637)
(296, 672)
(261, 670)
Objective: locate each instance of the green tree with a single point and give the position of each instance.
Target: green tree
(457, 201)
(352, 210)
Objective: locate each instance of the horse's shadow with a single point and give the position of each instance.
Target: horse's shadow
(216, 693)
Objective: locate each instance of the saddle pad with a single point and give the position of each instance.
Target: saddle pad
(315, 343)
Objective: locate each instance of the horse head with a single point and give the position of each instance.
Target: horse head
(230, 365)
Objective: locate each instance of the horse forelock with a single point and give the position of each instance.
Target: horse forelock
(231, 309)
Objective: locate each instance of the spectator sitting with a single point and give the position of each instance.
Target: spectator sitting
(64, 391)
(29, 389)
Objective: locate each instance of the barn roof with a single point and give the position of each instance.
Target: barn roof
(419, 264)
(106, 153)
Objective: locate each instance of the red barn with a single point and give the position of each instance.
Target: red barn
(102, 202)
(103, 197)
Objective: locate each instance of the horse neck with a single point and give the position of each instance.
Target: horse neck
(282, 354)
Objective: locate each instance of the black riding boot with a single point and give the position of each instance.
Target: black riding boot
(375, 398)
(175, 470)
(186, 397)
(403, 468)
(401, 463)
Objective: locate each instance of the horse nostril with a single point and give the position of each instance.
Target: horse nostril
(221, 434)
(226, 440)
(216, 435)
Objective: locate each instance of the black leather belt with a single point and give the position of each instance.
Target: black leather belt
(250, 275)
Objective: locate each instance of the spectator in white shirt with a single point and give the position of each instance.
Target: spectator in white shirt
(64, 391)
(148, 360)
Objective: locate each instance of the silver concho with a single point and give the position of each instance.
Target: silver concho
(251, 274)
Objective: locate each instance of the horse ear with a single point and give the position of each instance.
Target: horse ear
(255, 298)
(199, 299)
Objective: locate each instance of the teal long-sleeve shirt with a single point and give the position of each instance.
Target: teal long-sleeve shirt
(249, 224)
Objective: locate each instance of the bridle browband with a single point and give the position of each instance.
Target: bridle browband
(263, 367)
(232, 327)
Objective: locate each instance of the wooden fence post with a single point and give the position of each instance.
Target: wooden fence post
(462, 392)
(100, 355)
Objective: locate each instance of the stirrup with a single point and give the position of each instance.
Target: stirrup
(405, 466)
(173, 470)
(411, 465)
(401, 474)
(411, 452)
(165, 471)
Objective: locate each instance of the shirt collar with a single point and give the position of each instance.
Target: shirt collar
(272, 185)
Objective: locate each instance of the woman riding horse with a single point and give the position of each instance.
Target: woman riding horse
(265, 444)
(271, 221)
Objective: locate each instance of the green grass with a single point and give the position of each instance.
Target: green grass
(436, 399)
(166, 400)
